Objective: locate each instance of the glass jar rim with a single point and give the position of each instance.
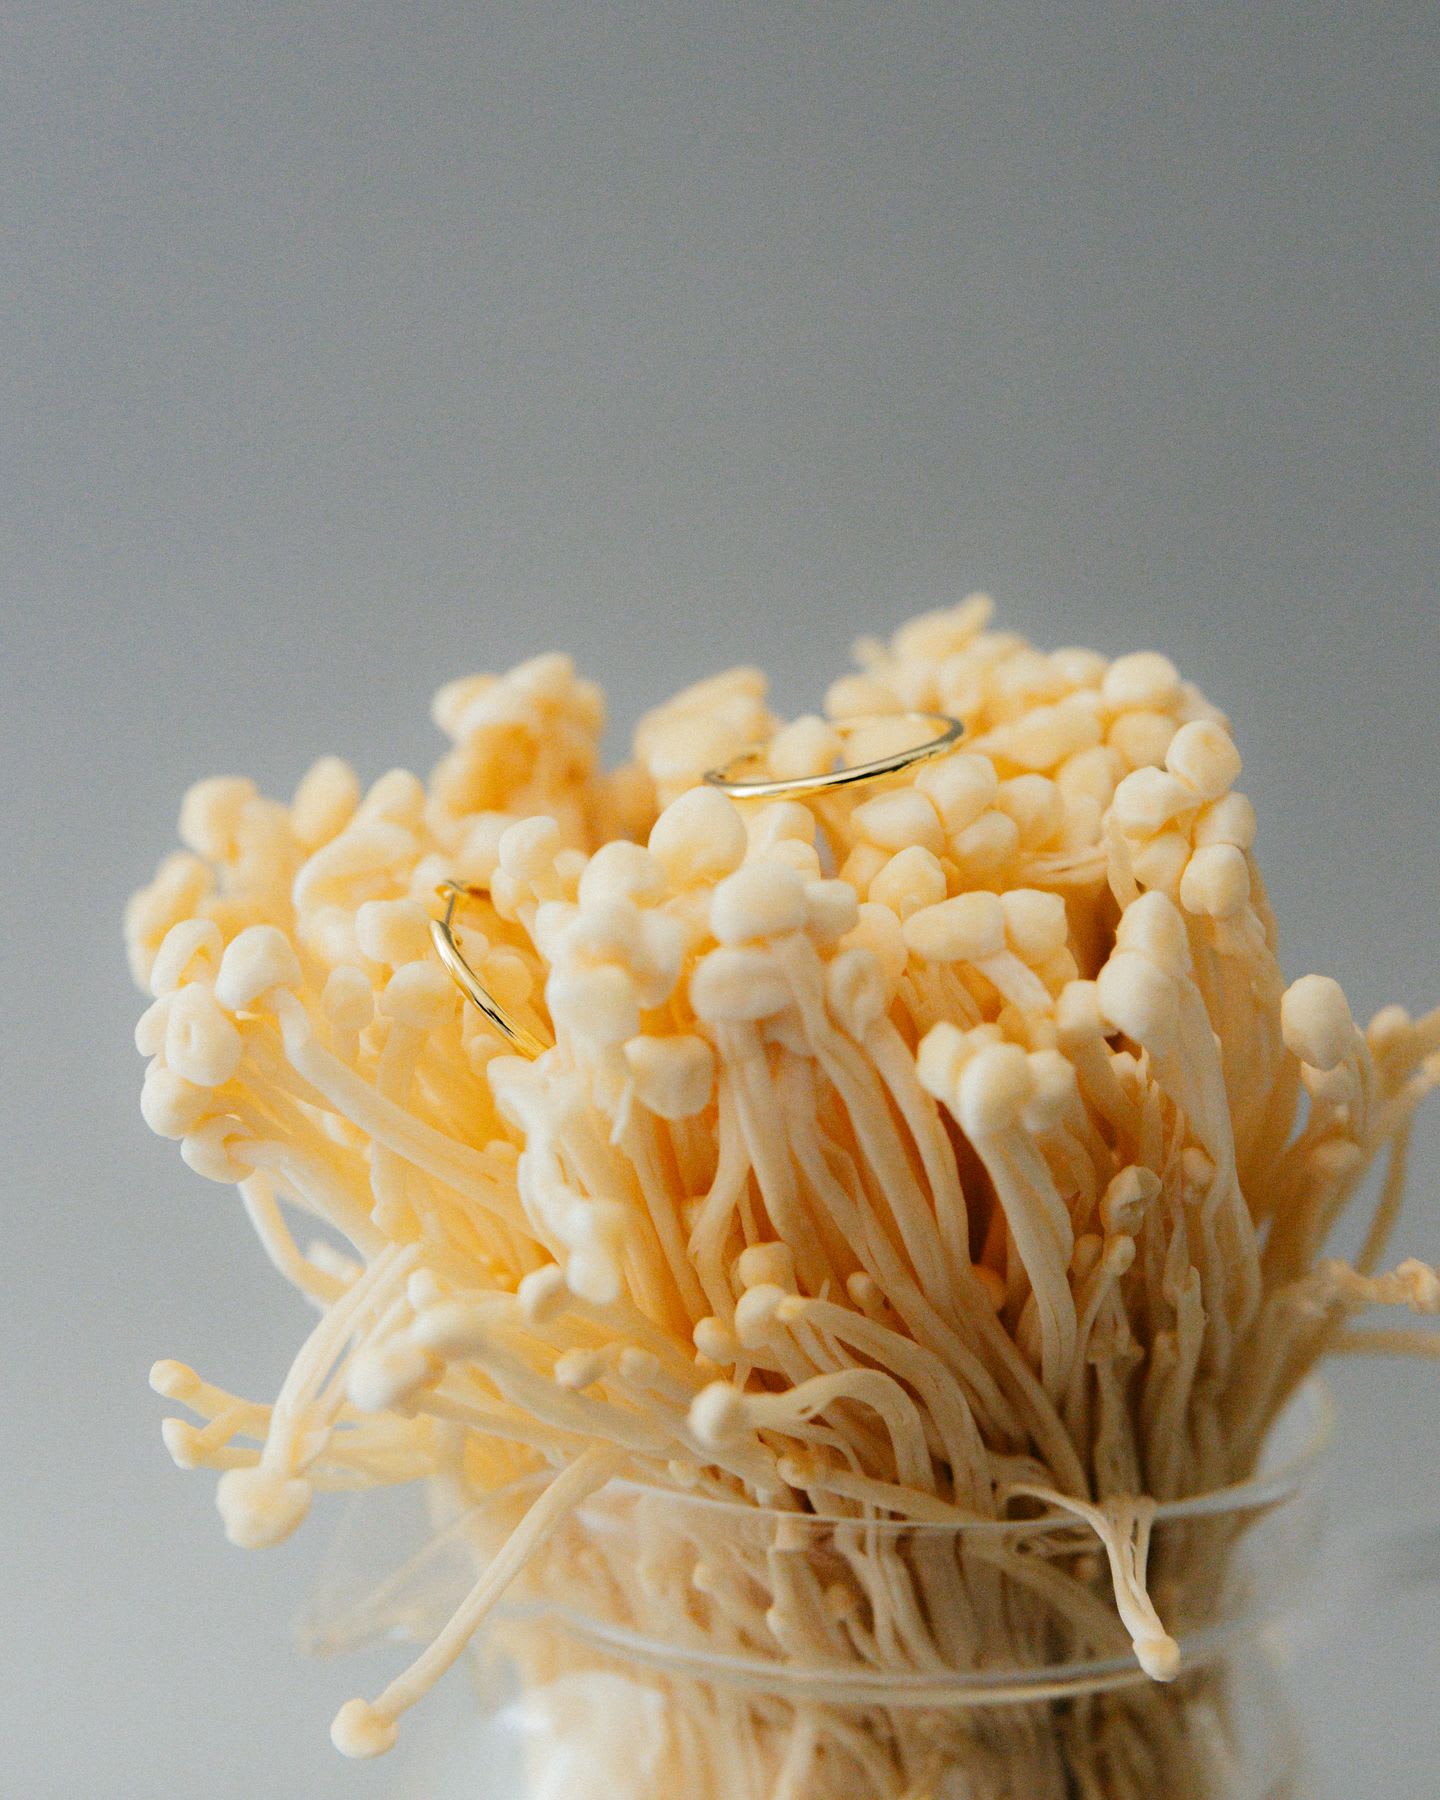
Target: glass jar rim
(1279, 1496)
(1298, 1439)
(1267, 1500)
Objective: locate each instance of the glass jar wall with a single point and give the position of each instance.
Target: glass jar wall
(665, 1646)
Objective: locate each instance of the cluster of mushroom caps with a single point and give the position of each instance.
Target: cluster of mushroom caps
(916, 1149)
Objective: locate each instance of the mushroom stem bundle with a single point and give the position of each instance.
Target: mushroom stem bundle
(939, 1148)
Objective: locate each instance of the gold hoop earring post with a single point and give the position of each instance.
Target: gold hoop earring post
(768, 787)
(447, 948)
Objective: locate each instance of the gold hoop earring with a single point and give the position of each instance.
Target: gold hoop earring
(778, 787)
(447, 948)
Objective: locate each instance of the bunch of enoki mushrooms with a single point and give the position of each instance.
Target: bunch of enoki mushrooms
(860, 1118)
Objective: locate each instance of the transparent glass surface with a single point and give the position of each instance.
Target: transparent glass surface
(664, 1646)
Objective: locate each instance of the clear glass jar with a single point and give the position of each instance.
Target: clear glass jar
(669, 1647)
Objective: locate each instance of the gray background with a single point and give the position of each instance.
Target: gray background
(347, 348)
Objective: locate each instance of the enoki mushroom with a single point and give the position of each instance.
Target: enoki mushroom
(935, 1145)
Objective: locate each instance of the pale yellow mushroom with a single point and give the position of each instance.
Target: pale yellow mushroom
(889, 1153)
